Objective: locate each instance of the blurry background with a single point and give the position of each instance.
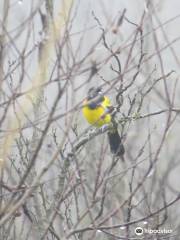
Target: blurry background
(56, 180)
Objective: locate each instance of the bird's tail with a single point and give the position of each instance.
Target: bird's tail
(115, 142)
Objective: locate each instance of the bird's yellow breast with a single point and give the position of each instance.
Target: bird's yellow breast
(98, 116)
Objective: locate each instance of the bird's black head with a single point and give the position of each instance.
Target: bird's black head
(96, 94)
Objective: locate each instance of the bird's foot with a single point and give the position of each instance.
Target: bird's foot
(104, 128)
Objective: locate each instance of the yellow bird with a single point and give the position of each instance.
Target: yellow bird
(97, 110)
